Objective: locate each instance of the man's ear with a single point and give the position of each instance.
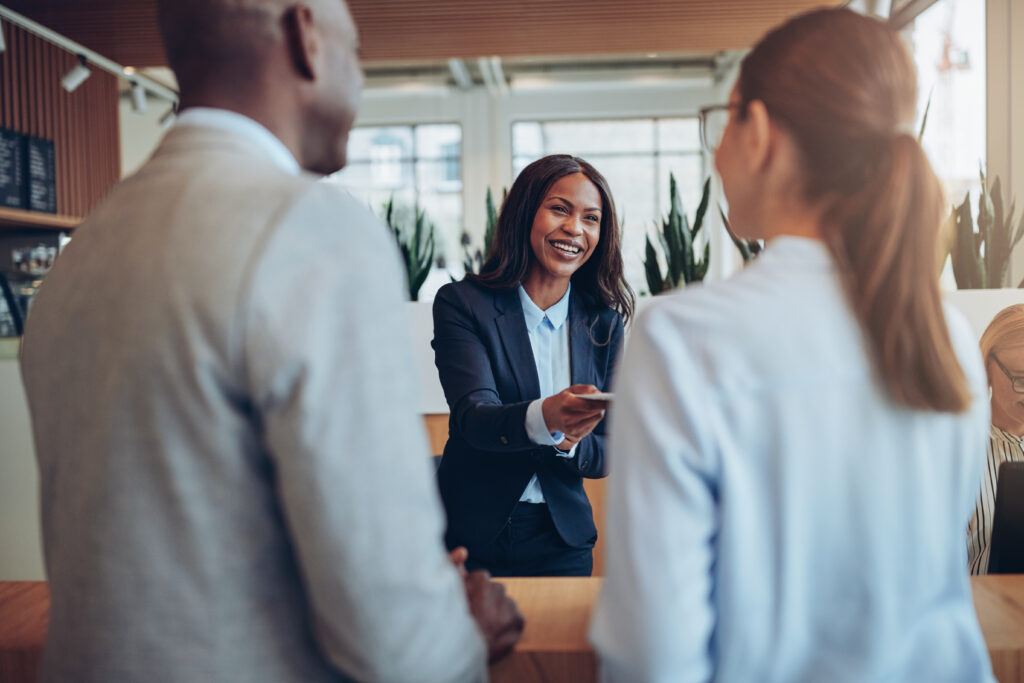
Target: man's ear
(303, 40)
(758, 137)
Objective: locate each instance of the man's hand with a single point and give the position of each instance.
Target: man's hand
(458, 558)
(496, 614)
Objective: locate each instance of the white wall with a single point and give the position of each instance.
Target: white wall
(140, 133)
(20, 551)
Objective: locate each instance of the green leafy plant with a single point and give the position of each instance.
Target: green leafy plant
(416, 245)
(677, 238)
(981, 253)
(473, 261)
(748, 249)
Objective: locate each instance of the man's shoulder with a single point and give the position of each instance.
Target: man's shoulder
(325, 220)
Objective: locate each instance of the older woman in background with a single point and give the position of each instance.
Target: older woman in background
(1002, 347)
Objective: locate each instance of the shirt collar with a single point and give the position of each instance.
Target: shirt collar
(997, 433)
(534, 316)
(233, 122)
(799, 250)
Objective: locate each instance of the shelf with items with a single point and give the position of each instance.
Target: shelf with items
(19, 218)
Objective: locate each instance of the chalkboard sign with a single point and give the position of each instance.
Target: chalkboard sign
(42, 175)
(13, 187)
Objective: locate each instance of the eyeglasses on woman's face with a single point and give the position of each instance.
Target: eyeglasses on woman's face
(713, 121)
(1016, 381)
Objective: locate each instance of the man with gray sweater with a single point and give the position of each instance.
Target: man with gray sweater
(235, 482)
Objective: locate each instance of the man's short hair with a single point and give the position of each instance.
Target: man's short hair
(219, 38)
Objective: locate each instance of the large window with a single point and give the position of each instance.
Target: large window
(948, 43)
(636, 156)
(417, 165)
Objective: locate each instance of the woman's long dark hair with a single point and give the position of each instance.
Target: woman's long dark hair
(510, 256)
(844, 86)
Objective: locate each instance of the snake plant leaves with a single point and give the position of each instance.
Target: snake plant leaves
(676, 238)
(473, 260)
(966, 261)
(698, 219)
(416, 246)
(492, 221)
(655, 283)
(981, 251)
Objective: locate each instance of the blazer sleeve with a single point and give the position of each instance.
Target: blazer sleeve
(589, 460)
(467, 377)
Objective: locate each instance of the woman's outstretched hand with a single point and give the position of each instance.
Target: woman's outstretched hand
(573, 416)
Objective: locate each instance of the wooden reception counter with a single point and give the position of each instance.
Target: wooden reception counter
(554, 645)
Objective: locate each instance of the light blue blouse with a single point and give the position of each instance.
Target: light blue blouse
(772, 515)
(549, 339)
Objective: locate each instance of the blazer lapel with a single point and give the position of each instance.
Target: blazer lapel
(516, 341)
(581, 348)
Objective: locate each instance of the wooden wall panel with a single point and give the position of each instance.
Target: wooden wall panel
(413, 30)
(83, 124)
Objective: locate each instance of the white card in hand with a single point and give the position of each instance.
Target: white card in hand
(603, 396)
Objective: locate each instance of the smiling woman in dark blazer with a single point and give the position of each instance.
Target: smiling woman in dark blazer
(542, 321)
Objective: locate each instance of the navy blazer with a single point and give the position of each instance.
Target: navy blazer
(483, 355)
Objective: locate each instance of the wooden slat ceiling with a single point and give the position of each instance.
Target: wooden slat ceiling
(421, 30)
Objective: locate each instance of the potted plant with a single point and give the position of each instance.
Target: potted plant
(473, 261)
(416, 245)
(677, 238)
(981, 251)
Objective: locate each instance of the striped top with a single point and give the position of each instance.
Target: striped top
(1002, 447)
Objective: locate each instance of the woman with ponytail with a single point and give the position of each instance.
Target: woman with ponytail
(797, 450)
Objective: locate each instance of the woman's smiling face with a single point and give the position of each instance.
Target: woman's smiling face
(566, 227)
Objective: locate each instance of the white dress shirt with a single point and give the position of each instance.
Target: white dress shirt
(239, 124)
(549, 339)
(772, 515)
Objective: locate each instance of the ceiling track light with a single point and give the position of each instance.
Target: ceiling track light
(460, 73)
(168, 118)
(138, 98)
(77, 75)
(485, 73)
(88, 59)
(498, 74)
(3, 44)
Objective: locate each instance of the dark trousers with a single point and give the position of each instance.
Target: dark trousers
(530, 545)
